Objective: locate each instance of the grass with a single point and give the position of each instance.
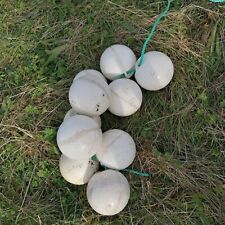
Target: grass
(179, 130)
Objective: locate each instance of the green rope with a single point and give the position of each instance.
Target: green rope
(129, 72)
(94, 157)
(137, 172)
(156, 23)
(163, 14)
(217, 1)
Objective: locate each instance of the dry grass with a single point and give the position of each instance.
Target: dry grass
(179, 131)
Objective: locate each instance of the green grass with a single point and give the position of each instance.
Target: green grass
(179, 130)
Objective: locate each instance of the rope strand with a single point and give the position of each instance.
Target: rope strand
(163, 14)
(217, 1)
(143, 174)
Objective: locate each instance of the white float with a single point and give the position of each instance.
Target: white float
(108, 192)
(117, 60)
(77, 171)
(71, 113)
(89, 94)
(126, 97)
(118, 149)
(155, 72)
(79, 137)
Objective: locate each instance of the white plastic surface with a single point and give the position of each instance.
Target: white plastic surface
(89, 94)
(108, 192)
(156, 71)
(77, 171)
(91, 74)
(79, 137)
(126, 97)
(118, 149)
(116, 60)
(71, 113)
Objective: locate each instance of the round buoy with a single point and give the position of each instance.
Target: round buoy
(117, 60)
(126, 97)
(89, 94)
(77, 171)
(118, 149)
(108, 192)
(79, 137)
(155, 72)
